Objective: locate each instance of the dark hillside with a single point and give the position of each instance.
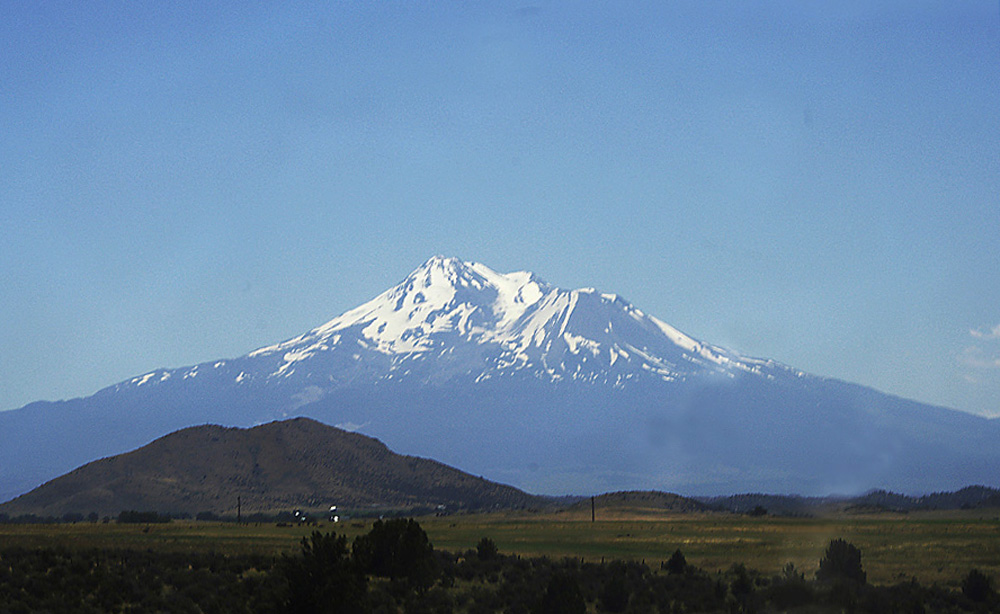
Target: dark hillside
(272, 467)
(643, 500)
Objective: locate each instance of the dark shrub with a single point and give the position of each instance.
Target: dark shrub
(790, 590)
(397, 549)
(324, 579)
(135, 517)
(614, 597)
(562, 596)
(486, 549)
(677, 563)
(842, 561)
(977, 586)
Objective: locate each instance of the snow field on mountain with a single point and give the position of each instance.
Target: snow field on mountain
(576, 334)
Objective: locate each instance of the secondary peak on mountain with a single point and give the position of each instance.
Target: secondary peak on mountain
(448, 271)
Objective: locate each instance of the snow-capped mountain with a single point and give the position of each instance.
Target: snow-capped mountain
(521, 324)
(452, 319)
(551, 390)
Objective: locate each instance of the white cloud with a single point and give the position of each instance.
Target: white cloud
(981, 360)
(309, 394)
(993, 333)
(351, 426)
(974, 357)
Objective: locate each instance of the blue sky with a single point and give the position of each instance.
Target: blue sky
(812, 183)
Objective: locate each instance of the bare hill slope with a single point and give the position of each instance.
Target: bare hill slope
(273, 467)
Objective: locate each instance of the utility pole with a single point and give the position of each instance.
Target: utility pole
(239, 510)
(592, 516)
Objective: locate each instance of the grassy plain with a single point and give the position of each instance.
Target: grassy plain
(934, 547)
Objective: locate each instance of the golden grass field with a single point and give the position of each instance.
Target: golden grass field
(934, 547)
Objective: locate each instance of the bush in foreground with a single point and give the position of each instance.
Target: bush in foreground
(328, 576)
(842, 561)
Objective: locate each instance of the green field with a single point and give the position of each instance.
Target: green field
(932, 547)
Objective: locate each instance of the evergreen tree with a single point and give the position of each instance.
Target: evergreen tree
(324, 579)
(842, 561)
(397, 549)
(677, 563)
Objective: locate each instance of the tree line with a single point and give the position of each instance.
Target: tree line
(394, 568)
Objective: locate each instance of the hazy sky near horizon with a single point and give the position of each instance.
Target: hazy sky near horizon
(817, 183)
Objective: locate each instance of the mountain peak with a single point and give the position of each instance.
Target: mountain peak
(445, 271)
(443, 296)
(442, 268)
(463, 319)
(443, 263)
